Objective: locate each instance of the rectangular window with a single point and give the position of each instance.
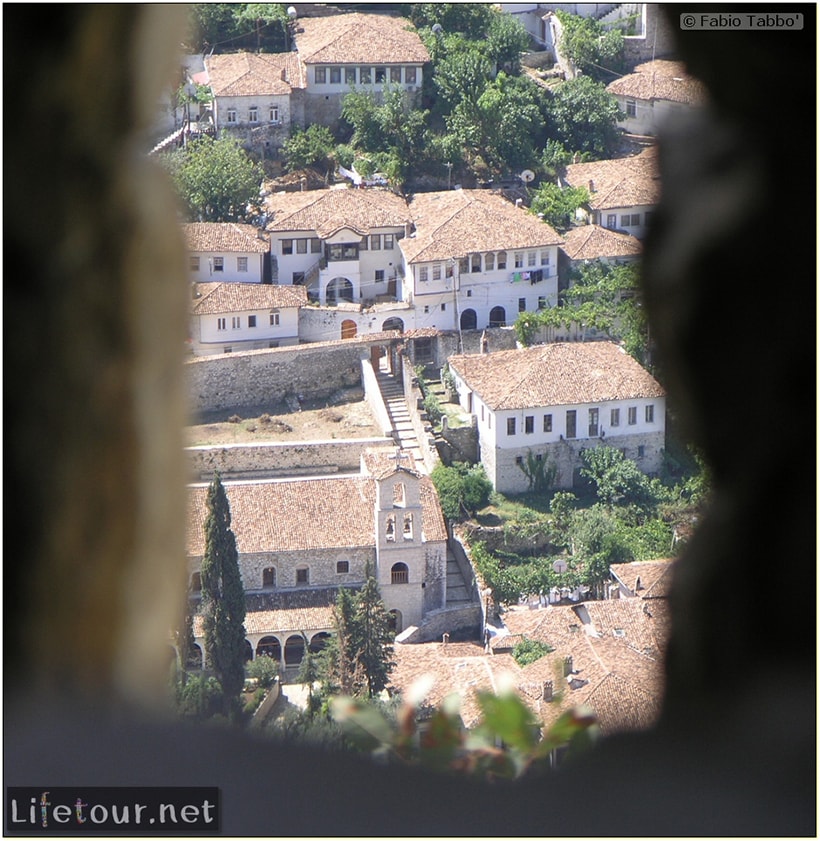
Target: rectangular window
(510, 426)
(272, 345)
(342, 567)
(375, 242)
(335, 75)
(641, 451)
(571, 423)
(287, 246)
(615, 417)
(542, 302)
(635, 220)
(320, 75)
(241, 264)
(253, 114)
(426, 309)
(219, 264)
(632, 415)
(519, 459)
(364, 244)
(469, 293)
(193, 264)
(522, 305)
(489, 261)
(650, 414)
(463, 265)
(343, 251)
(545, 258)
(475, 263)
(236, 322)
(547, 423)
(625, 220)
(315, 245)
(364, 75)
(379, 278)
(519, 259)
(251, 321)
(273, 114)
(593, 423)
(631, 108)
(531, 255)
(232, 115)
(444, 307)
(437, 271)
(502, 259)
(301, 246)
(389, 239)
(274, 318)
(350, 75)
(410, 75)
(423, 273)
(220, 324)
(381, 75)
(395, 75)
(529, 424)
(298, 278)
(611, 221)
(302, 575)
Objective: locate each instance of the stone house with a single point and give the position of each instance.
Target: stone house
(553, 401)
(355, 51)
(474, 260)
(299, 540)
(256, 97)
(623, 191)
(226, 251)
(228, 317)
(653, 92)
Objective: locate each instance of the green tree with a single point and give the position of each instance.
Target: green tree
(215, 179)
(557, 206)
(471, 20)
(599, 53)
(313, 146)
(583, 117)
(506, 39)
(616, 478)
(184, 637)
(260, 14)
(223, 599)
(310, 672)
(527, 651)
(374, 638)
(462, 489)
(340, 669)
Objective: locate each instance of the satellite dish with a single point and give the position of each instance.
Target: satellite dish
(436, 27)
(560, 566)
(291, 12)
(527, 175)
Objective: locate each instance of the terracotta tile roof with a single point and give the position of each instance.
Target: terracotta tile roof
(358, 38)
(629, 622)
(239, 297)
(655, 577)
(254, 74)
(225, 237)
(455, 223)
(383, 463)
(592, 242)
(294, 515)
(327, 211)
(555, 374)
(660, 79)
(619, 182)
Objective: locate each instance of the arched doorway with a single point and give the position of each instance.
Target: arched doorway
(269, 647)
(294, 650)
(318, 642)
(469, 320)
(339, 289)
(248, 651)
(194, 657)
(395, 621)
(393, 324)
(498, 317)
(349, 329)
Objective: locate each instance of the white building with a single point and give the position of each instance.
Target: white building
(229, 317)
(475, 260)
(549, 402)
(653, 92)
(623, 191)
(226, 251)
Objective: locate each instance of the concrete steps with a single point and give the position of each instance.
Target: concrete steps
(457, 592)
(403, 430)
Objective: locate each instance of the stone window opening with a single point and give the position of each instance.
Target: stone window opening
(399, 574)
(390, 528)
(407, 529)
(399, 495)
(342, 567)
(269, 577)
(303, 575)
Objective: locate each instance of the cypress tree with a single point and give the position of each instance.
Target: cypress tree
(223, 599)
(374, 637)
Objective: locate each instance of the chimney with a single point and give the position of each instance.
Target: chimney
(408, 229)
(547, 695)
(518, 202)
(445, 638)
(567, 665)
(591, 186)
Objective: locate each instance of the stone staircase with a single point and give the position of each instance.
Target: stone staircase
(393, 393)
(457, 593)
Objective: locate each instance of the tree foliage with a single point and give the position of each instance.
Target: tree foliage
(223, 598)
(527, 651)
(215, 180)
(462, 489)
(599, 53)
(313, 146)
(616, 478)
(583, 117)
(374, 636)
(558, 205)
(238, 26)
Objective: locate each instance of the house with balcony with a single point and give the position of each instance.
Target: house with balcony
(300, 540)
(623, 192)
(342, 246)
(653, 92)
(226, 252)
(256, 97)
(550, 402)
(355, 51)
(474, 260)
(230, 317)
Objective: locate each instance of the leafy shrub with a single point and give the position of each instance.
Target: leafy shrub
(433, 408)
(265, 669)
(200, 698)
(528, 651)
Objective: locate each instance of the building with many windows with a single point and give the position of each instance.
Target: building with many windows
(549, 402)
(226, 251)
